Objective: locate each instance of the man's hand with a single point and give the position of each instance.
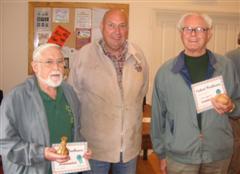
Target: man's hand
(163, 166)
(51, 155)
(88, 154)
(222, 104)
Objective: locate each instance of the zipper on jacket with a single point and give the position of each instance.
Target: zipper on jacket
(122, 120)
(201, 136)
(123, 109)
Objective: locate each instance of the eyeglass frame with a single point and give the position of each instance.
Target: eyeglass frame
(197, 30)
(49, 63)
(112, 26)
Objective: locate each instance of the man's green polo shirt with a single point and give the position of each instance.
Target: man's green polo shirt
(59, 115)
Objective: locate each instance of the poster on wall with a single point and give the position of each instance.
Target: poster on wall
(60, 15)
(83, 36)
(83, 24)
(42, 25)
(59, 36)
(68, 54)
(43, 37)
(83, 18)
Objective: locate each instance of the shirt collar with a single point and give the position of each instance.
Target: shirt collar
(130, 51)
(109, 54)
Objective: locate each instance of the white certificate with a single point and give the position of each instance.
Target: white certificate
(204, 91)
(77, 162)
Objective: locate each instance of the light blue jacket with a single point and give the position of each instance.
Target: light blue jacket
(24, 129)
(174, 126)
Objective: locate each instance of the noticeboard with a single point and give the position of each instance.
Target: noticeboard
(80, 20)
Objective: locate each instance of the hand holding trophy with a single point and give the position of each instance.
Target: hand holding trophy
(62, 149)
(75, 155)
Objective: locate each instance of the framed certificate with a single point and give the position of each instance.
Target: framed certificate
(204, 91)
(77, 162)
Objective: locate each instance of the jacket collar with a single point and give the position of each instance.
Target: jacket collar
(132, 52)
(180, 64)
(181, 68)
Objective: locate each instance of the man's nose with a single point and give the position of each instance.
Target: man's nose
(117, 29)
(55, 65)
(193, 32)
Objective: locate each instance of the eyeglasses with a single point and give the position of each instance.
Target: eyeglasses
(50, 63)
(197, 30)
(113, 26)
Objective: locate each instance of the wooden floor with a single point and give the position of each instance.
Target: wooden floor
(149, 166)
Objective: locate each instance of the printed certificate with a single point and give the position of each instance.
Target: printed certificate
(77, 162)
(205, 90)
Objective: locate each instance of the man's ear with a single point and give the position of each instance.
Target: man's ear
(210, 33)
(34, 66)
(101, 26)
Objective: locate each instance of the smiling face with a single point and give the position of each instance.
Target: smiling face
(49, 68)
(115, 30)
(195, 41)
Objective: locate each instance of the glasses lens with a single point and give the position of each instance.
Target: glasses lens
(50, 63)
(189, 30)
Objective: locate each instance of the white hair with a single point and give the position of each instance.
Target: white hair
(38, 51)
(205, 17)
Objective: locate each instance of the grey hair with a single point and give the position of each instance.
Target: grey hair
(205, 17)
(38, 51)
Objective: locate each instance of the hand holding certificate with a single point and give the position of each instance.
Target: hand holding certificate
(77, 162)
(204, 91)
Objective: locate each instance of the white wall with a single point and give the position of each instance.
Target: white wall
(1, 45)
(14, 39)
(14, 30)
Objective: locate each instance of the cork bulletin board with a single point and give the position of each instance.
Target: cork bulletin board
(77, 19)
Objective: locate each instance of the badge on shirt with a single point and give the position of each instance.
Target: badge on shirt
(138, 67)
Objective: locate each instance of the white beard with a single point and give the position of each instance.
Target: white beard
(54, 79)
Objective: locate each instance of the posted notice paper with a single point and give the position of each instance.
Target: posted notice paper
(204, 91)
